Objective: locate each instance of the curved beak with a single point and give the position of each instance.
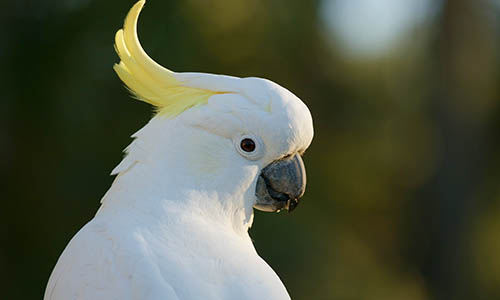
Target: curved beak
(281, 184)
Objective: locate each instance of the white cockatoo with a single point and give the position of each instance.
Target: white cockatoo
(174, 224)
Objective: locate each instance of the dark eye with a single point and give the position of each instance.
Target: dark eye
(247, 145)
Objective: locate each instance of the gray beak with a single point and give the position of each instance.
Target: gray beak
(281, 184)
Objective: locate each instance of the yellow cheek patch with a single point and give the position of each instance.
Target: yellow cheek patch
(147, 80)
(207, 155)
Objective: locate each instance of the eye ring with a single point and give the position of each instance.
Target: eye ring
(249, 146)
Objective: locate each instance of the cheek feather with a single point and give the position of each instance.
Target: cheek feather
(208, 154)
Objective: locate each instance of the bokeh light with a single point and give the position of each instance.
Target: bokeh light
(369, 28)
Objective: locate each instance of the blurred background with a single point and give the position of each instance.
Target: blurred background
(403, 198)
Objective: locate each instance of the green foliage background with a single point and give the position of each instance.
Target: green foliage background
(403, 174)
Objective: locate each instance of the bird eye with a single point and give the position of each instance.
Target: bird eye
(247, 145)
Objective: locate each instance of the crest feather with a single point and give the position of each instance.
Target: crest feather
(147, 80)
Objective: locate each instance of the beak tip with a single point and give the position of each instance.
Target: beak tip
(292, 204)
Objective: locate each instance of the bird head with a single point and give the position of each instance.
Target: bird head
(239, 140)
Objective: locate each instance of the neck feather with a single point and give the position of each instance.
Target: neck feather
(158, 184)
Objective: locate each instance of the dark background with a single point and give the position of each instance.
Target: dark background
(403, 173)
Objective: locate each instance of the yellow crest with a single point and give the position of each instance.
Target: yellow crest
(147, 80)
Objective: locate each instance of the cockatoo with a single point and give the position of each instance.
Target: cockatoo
(174, 224)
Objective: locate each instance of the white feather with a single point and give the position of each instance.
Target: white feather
(174, 224)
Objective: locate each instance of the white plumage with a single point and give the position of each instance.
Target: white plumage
(174, 224)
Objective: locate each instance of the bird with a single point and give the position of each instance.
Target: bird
(174, 223)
